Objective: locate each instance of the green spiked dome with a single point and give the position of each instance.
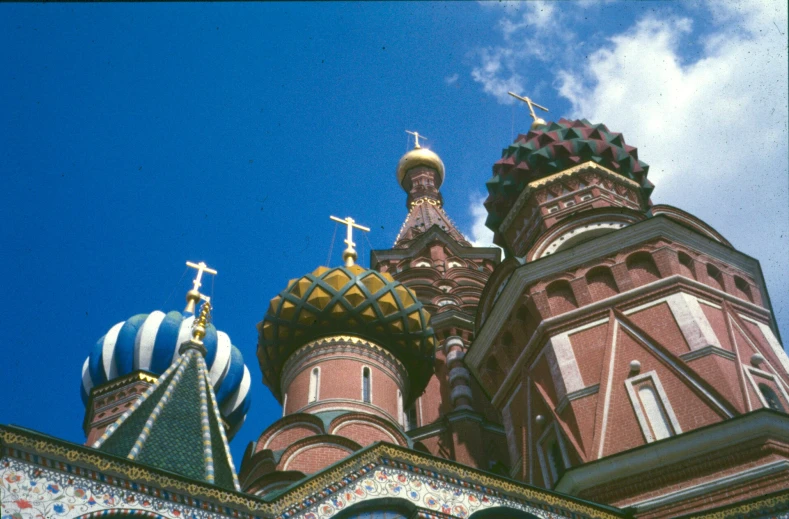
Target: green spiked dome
(554, 147)
(347, 301)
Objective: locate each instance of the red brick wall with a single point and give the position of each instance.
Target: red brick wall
(314, 458)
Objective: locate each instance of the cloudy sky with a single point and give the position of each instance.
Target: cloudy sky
(137, 137)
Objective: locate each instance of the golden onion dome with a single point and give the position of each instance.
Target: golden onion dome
(352, 300)
(420, 157)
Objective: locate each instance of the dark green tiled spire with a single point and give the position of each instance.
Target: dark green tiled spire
(175, 425)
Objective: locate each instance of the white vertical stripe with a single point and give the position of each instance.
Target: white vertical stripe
(692, 321)
(184, 334)
(564, 368)
(87, 381)
(146, 339)
(238, 395)
(222, 359)
(774, 345)
(108, 351)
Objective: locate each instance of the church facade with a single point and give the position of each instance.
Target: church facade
(621, 360)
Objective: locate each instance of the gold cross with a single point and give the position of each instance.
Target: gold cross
(416, 139)
(349, 254)
(194, 295)
(532, 104)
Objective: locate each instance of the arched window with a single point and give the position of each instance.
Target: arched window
(686, 266)
(642, 268)
(771, 398)
(366, 392)
(715, 277)
(381, 508)
(315, 380)
(743, 288)
(560, 297)
(400, 415)
(601, 283)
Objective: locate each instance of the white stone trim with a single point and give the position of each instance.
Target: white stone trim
(638, 404)
(608, 386)
(563, 366)
(692, 321)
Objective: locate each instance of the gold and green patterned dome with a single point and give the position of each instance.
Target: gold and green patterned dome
(347, 301)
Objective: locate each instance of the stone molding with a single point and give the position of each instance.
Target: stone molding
(675, 450)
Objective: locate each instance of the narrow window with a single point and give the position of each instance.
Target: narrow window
(314, 384)
(658, 421)
(556, 461)
(410, 418)
(771, 398)
(366, 385)
(400, 415)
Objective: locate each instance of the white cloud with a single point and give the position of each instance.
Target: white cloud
(480, 235)
(713, 127)
(451, 80)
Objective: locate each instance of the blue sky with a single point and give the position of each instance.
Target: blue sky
(136, 137)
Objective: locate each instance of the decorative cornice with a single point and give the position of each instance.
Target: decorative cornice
(676, 450)
(610, 244)
(708, 350)
(36, 448)
(586, 166)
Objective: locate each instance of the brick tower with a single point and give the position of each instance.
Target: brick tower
(345, 350)
(453, 418)
(630, 348)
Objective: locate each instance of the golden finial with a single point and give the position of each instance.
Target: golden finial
(416, 139)
(199, 326)
(349, 254)
(537, 121)
(194, 295)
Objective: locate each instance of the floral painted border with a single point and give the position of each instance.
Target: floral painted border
(423, 491)
(30, 492)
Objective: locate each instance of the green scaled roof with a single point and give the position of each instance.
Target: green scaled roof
(175, 426)
(554, 147)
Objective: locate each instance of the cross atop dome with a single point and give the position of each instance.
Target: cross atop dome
(194, 295)
(537, 120)
(349, 254)
(416, 138)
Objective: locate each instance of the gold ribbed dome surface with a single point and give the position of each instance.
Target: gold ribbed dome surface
(347, 301)
(420, 157)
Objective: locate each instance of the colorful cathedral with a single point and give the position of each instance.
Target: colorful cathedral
(618, 359)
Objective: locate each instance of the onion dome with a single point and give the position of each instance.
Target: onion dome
(151, 342)
(347, 301)
(420, 157)
(551, 148)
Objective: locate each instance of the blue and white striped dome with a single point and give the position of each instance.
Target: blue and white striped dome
(150, 342)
